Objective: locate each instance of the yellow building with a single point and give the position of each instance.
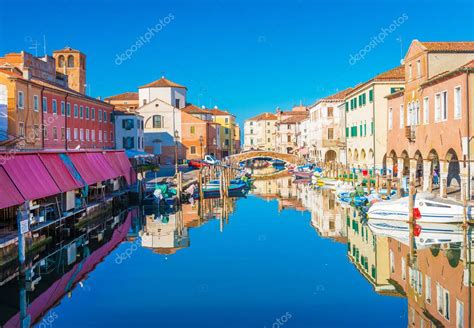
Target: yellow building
(228, 130)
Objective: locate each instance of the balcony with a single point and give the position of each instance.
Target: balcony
(410, 133)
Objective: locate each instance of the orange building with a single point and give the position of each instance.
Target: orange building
(127, 101)
(430, 121)
(200, 135)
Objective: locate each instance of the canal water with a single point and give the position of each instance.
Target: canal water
(285, 256)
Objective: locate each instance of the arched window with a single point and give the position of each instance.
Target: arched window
(417, 112)
(70, 61)
(158, 122)
(61, 61)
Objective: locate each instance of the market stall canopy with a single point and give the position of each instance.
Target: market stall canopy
(9, 195)
(93, 167)
(60, 173)
(119, 161)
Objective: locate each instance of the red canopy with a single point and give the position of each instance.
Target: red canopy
(31, 177)
(93, 167)
(119, 161)
(60, 173)
(9, 195)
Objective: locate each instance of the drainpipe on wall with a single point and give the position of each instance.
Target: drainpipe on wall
(42, 120)
(65, 121)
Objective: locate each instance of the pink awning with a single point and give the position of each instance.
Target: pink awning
(9, 195)
(31, 177)
(120, 162)
(303, 151)
(60, 173)
(93, 167)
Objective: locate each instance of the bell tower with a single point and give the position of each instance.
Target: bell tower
(72, 63)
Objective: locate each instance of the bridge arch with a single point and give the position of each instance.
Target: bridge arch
(288, 158)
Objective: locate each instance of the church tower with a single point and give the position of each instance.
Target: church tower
(72, 63)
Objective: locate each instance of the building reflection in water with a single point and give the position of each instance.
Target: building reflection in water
(432, 269)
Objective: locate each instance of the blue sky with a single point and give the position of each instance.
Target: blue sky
(245, 56)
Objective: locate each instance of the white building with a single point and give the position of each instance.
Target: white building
(129, 134)
(303, 136)
(165, 90)
(366, 118)
(259, 132)
(162, 120)
(326, 119)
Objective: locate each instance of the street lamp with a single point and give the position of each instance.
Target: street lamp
(201, 139)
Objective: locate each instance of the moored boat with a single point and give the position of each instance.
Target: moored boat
(432, 209)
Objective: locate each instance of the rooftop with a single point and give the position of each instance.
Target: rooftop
(193, 109)
(264, 117)
(124, 96)
(163, 83)
(460, 46)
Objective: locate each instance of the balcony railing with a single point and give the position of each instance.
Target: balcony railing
(410, 132)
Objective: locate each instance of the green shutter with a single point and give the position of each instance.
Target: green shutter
(347, 132)
(355, 102)
(371, 95)
(347, 106)
(365, 129)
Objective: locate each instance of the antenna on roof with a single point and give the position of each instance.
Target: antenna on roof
(34, 44)
(399, 39)
(44, 45)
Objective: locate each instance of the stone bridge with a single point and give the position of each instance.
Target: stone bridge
(288, 158)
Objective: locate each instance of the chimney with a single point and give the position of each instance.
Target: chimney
(26, 73)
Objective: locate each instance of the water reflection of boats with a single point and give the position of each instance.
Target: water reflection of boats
(432, 209)
(429, 233)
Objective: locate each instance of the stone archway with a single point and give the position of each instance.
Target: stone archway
(405, 170)
(330, 156)
(454, 169)
(434, 158)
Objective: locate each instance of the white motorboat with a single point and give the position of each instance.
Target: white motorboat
(429, 234)
(432, 209)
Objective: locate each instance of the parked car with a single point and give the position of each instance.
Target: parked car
(197, 163)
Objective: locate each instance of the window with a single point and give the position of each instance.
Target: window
(330, 112)
(226, 120)
(76, 111)
(93, 135)
(45, 132)
(21, 129)
(251, 141)
(75, 134)
(442, 301)
(99, 115)
(444, 106)
(390, 118)
(128, 142)
(193, 149)
(418, 68)
(371, 95)
(402, 117)
(144, 102)
(404, 269)
(193, 129)
(68, 110)
(81, 134)
(100, 135)
(70, 61)
(330, 133)
(21, 100)
(68, 134)
(63, 133)
(158, 122)
(111, 137)
(410, 72)
(55, 133)
(127, 124)
(87, 134)
(459, 314)
(105, 136)
(347, 106)
(63, 108)
(392, 261)
(45, 105)
(426, 110)
(87, 112)
(81, 112)
(93, 113)
(457, 102)
(288, 138)
(36, 131)
(55, 106)
(176, 103)
(428, 289)
(226, 130)
(226, 142)
(35, 103)
(105, 116)
(437, 107)
(61, 61)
